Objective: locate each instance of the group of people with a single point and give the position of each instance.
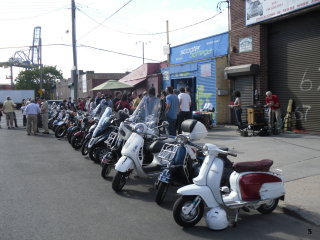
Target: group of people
(31, 111)
(175, 108)
(271, 101)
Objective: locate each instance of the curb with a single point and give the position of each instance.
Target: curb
(296, 213)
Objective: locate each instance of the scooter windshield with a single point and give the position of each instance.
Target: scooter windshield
(103, 122)
(148, 112)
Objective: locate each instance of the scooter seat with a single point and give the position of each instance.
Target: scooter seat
(255, 166)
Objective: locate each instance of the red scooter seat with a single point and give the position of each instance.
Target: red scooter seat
(255, 166)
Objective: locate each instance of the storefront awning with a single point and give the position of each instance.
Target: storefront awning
(241, 70)
(133, 82)
(110, 85)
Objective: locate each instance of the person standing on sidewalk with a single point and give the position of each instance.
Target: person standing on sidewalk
(272, 102)
(32, 111)
(185, 104)
(8, 106)
(172, 109)
(237, 108)
(44, 115)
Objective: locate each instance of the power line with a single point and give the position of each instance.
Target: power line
(155, 33)
(40, 15)
(105, 20)
(83, 46)
(124, 54)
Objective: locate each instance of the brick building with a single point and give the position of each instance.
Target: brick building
(274, 46)
(87, 81)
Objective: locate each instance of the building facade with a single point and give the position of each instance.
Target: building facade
(144, 77)
(200, 66)
(274, 47)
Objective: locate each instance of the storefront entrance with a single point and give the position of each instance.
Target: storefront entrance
(187, 82)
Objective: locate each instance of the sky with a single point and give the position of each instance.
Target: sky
(103, 29)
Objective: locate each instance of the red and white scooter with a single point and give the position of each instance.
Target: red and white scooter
(252, 185)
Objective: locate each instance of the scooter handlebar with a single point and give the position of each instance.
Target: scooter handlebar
(232, 154)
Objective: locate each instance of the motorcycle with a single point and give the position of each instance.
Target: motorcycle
(140, 151)
(184, 159)
(62, 126)
(115, 143)
(88, 136)
(78, 137)
(252, 186)
(100, 134)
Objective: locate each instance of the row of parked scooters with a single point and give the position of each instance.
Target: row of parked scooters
(139, 143)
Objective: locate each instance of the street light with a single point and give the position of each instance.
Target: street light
(143, 43)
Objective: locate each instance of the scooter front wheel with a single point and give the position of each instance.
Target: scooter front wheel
(106, 169)
(61, 131)
(119, 180)
(268, 207)
(76, 142)
(161, 192)
(189, 219)
(84, 148)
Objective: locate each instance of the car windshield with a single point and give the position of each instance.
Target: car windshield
(103, 122)
(148, 111)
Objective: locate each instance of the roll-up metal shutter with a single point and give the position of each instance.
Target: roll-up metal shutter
(294, 67)
(244, 84)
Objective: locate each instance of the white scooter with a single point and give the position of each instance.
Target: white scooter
(141, 146)
(252, 186)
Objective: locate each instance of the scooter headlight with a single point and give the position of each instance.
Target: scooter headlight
(205, 150)
(139, 128)
(180, 139)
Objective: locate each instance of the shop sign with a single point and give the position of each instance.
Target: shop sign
(261, 10)
(182, 74)
(205, 70)
(245, 44)
(201, 49)
(166, 75)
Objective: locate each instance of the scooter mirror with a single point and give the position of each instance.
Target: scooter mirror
(165, 123)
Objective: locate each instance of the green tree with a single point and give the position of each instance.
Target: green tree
(30, 79)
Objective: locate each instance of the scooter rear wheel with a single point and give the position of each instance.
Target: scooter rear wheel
(268, 207)
(187, 220)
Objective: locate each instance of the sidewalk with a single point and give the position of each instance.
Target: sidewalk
(298, 155)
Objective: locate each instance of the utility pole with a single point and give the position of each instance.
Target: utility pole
(168, 43)
(41, 67)
(142, 42)
(74, 75)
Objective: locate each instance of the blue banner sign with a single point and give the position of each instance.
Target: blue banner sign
(201, 49)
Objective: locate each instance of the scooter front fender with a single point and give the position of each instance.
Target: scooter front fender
(203, 191)
(124, 164)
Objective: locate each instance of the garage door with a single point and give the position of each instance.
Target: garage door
(294, 67)
(244, 85)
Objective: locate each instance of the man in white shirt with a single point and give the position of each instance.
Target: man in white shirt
(32, 111)
(185, 104)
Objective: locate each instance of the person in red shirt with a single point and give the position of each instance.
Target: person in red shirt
(123, 103)
(272, 101)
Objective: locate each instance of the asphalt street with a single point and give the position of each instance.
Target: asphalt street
(50, 191)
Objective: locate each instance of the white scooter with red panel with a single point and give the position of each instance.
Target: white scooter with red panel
(252, 186)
